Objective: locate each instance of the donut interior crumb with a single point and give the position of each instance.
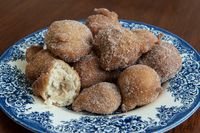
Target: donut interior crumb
(60, 86)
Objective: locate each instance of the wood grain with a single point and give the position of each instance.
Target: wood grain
(19, 18)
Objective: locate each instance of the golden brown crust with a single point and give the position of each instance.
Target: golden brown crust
(90, 72)
(40, 85)
(69, 40)
(118, 48)
(139, 85)
(39, 64)
(165, 59)
(121, 48)
(102, 19)
(31, 51)
(102, 98)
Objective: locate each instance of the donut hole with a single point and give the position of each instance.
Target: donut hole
(62, 84)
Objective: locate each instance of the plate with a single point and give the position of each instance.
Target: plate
(178, 102)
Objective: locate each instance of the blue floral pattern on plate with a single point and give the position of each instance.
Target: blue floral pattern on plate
(19, 103)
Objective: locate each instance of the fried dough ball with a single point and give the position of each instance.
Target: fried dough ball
(164, 59)
(121, 48)
(69, 40)
(102, 19)
(38, 64)
(59, 85)
(102, 98)
(31, 51)
(90, 72)
(139, 85)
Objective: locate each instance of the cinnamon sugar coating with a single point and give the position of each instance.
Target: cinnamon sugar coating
(165, 59)
(40, 63)
(90, 71)
(102, 98)
(139, 85)
(101, 19)
(69, 40)
(121, 48)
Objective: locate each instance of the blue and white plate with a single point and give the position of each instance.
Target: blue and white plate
(177, 103)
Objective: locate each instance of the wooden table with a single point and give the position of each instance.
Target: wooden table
(19, 18)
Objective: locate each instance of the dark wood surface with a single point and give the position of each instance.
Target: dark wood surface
(19, 18)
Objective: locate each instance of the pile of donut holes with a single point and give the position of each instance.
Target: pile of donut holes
(100, 66)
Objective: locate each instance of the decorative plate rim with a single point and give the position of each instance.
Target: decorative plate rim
(182, 116)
